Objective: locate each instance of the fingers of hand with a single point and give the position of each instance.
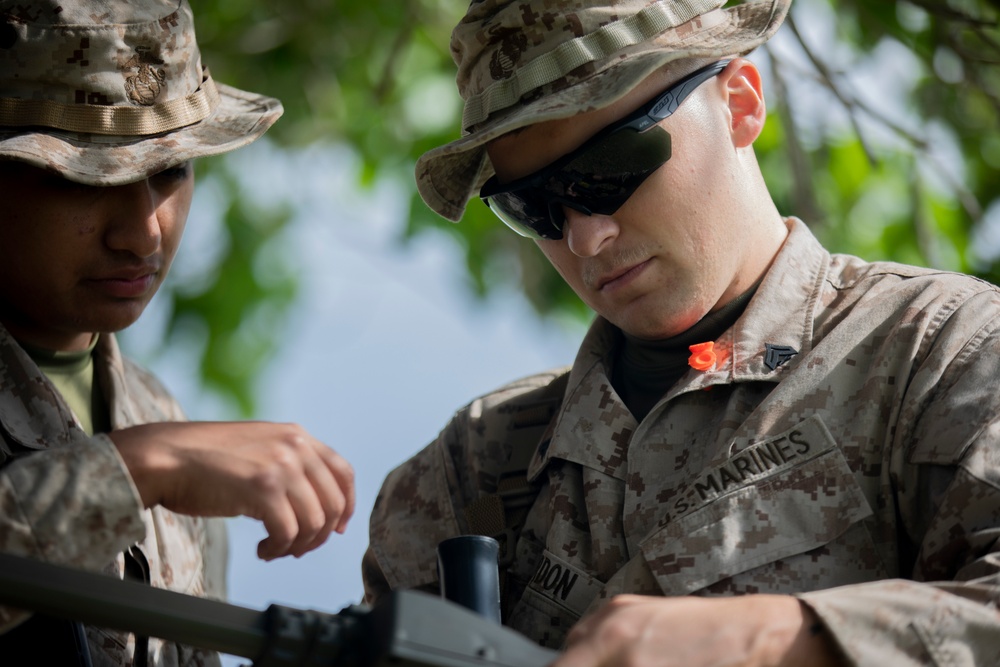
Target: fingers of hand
(611, 636)
(690, 631)
(315, 484)
(343, 477)
(332, 481)
(584, 629)
(281, 525)
(330, 500)
(596, 652)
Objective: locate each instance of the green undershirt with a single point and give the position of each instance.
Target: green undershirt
(72, 374)
(644, 370)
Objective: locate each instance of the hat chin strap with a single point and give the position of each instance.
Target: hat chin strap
(114, 120)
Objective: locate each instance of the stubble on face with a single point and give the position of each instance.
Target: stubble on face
(612, 262)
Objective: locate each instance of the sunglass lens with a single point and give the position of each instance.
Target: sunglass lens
(598, 179)
(607, 173)
(526, 214)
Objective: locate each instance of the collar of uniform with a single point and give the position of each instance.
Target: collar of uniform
(49, 421)
(111, 376)
(782, 311)
(32, 412)
(593, 426)
(781, 314)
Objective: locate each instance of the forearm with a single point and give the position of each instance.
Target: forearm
(746, 630)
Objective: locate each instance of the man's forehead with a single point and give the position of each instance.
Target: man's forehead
(16, 176)
(17, 169)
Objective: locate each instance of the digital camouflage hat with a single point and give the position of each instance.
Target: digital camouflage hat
(107, 92)
(521, 62)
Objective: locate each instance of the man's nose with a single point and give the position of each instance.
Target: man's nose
(135, 227)
(588, 235)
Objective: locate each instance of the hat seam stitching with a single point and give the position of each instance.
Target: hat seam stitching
(576, 53)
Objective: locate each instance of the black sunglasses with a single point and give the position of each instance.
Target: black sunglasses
(599, 176)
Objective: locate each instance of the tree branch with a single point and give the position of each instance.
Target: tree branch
(847, 102)
(951, 14)
(921, 224)
(853, 105)
(385, 83)
(803, 188)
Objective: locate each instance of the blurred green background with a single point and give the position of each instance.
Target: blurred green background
(883, 136)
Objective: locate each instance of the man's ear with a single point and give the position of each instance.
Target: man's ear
(745, 96)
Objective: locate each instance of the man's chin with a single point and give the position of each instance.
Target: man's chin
(644, 328)
(117, 318)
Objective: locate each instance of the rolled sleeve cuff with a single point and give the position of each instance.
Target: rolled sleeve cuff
(903, 623)
(76, 505)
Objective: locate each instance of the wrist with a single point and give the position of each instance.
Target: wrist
(811, 642)
(787, 633)
(146, 463)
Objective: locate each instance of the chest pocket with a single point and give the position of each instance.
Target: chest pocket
(795, 528)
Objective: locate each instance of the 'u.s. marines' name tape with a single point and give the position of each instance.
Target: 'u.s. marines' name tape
(756, 462)
(564, 584)
(573, 589)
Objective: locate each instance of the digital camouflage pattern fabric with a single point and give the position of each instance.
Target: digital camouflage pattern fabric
(110, 95)
(67, 498)
(843, 448)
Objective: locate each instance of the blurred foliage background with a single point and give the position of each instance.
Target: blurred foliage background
(884, 136)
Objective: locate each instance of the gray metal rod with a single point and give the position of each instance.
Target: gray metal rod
(97, 599)
(406, 628)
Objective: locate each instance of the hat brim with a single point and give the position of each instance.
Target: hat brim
(239, 119)
(450, 175)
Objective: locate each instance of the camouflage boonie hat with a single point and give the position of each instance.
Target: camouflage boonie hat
(107, 93)
(521, 62)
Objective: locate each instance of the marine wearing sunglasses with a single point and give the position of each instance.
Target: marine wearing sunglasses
(599, 176)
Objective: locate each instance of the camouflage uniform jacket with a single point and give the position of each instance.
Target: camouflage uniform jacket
(845, 448)
(67, 498)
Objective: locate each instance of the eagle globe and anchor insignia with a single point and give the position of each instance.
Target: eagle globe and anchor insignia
(145, 85)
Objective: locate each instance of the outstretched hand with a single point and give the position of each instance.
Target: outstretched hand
(641, 631)
(277, 473)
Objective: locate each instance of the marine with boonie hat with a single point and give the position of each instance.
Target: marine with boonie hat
(787, 454)
(103, 105)
(521, 63)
